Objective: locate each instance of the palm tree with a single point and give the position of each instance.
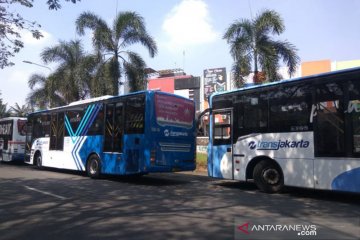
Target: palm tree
(251, 45)
(4, 112)
(43, 93)
(128, 29)
(20, 111)
(72, 77)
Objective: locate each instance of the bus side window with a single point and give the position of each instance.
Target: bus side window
(329, 120)
(353, 109)
(222, 128)
(97, 126)
(290, 109)
(255, 113)
(135, 115)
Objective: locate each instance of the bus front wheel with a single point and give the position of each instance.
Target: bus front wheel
(268, 176)
(93, 166)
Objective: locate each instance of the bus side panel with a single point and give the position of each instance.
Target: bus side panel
(82, 150)
(294, 152)
(221, 162)
(112, 163)
(337, 174)
(134, 153)
(41, 145)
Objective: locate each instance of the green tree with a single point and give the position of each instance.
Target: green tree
(11, 24)
(72, 77)
(43, 94)
(128, 29)
(253, 48)
(4, 112)
(20, 111)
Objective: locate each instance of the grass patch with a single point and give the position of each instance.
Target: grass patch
(201, 161)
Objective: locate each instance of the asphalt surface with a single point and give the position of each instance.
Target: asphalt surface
(54, 204)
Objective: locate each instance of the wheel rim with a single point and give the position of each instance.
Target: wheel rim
(38, 161)
(271, 176)
(94, 167)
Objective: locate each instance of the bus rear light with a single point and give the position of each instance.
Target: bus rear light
(153, 157)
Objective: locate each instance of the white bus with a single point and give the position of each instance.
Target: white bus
(12, 139)
(303, 132)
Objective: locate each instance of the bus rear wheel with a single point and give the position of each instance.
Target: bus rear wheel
(38, 160)
(268, 176)
(93, 167)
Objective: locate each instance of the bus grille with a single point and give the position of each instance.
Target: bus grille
(175, 147)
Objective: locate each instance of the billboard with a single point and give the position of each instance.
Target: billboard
(214, 81)
(174, 111)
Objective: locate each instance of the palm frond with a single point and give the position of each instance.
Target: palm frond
(36, 79)
(287, 51)
(267, 22)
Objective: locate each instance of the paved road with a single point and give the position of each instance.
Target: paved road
(54, 204)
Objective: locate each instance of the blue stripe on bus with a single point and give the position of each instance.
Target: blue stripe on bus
(68, 126)
(81, 131)
(84, 120)
(85, 125)
(347, 181)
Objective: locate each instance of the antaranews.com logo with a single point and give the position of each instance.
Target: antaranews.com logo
(298, 229)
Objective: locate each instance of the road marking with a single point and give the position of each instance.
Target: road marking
(46, 193)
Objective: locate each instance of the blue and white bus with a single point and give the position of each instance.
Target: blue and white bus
(137, 133)
(303, 132)
(12, 139)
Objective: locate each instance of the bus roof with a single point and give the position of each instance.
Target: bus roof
(105, 97)
(292, 80)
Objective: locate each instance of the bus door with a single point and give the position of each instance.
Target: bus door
(114, 128)
(57, 131)
(222, 144)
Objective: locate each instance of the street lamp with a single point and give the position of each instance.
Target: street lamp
(29, 62)
(36, 64)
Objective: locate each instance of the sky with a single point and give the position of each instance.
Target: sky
(188, 33)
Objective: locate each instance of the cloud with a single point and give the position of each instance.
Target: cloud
(28, 38)
(14, 88)
(188, 24)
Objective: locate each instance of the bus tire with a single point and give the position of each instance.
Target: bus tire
(93, 166)
(268, 176)
(38, 160)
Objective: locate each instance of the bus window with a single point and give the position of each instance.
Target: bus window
(255, 113)
(353, 108)
(21, 125)
(73, 118)
(6, 133)
(290, 109)
(222, 128)
(135, 113)
(329, 131)
(97, 128)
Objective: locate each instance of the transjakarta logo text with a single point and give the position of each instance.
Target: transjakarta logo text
(276, 145)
